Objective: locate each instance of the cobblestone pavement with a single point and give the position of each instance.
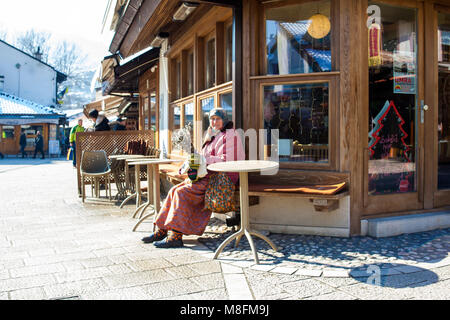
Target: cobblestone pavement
(54, 247)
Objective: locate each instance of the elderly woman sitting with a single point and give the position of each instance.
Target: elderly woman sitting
(183, 210)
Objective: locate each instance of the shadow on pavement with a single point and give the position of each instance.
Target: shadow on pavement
(394, 276)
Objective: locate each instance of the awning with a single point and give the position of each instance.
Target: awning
(124, 79)
(18, 120)
(106, 104)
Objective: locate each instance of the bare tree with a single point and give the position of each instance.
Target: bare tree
(3, 35)
(67, 57)
(35, 43)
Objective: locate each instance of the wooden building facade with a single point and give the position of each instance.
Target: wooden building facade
(358, 90)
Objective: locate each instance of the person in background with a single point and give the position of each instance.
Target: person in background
(39, 145)
(119, 124)
(101, 123)
(72, 140)
(23, 143)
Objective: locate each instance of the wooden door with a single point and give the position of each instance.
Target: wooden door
(393, 164)
(437, 102)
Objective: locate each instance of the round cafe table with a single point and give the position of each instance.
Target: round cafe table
(243, 167)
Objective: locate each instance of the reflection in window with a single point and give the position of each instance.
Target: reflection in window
(298, 38)
(444, 101)
(189, 117)
(153, 111)
(190, 74)
(300, 113)
(145, 113)
(178, 88)
(228, 54)
(226, 102)
(207, 105)
(392, 100)
(210, 63)
(176, 117)
(8, 132)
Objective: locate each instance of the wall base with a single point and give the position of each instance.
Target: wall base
(393, 226)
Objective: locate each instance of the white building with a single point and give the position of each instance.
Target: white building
(26, 77)
(28, 101)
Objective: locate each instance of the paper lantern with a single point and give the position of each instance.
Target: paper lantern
(319, 27)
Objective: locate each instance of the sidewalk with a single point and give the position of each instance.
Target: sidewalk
(54, 247)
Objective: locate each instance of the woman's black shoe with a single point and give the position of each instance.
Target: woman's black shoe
(152, 237)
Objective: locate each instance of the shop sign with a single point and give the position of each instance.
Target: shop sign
(404, 72)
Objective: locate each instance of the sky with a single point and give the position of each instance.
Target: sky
(78, 21)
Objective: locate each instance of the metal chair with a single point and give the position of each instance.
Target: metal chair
(94, 165)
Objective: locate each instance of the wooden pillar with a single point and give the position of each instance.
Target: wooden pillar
(353, 88)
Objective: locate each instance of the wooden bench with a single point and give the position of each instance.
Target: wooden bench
(323, 189)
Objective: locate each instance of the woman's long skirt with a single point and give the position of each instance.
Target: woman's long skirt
(183, 210)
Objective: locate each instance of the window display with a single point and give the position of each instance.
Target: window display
(392, 100)
(300, 113)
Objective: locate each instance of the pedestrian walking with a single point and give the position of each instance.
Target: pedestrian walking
(23, 143)
(73, 138)
(39, 145)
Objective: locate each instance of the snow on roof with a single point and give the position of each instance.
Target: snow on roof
(10, 104)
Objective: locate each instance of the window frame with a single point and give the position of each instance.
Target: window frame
(333, 112)
(334, 19)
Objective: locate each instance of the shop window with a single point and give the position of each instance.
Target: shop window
(189, 118)
(31, 131)
(210, 63)
(298, 38)
(152, 111)
(206, 104)
(226, 102)
(392, 63)
(176, 118)
(145, 111)
(229, 53)
(190, 73)
(178, 76)
(8, 132)
(300, 114)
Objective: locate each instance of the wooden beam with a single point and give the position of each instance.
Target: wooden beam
(223, 3)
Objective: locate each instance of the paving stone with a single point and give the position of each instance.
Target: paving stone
(308, 272)
(285, 270)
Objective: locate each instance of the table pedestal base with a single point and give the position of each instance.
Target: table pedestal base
(248, 234)
(152, 213)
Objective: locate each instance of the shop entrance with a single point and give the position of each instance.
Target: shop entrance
(394, 153)
(407, 159)
(437, 117)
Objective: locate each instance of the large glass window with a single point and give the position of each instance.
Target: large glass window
(226, 102)
(190, 73)
(229, 53)
(300, 113)
(444, 100)
(207, 105)
(210, 63)
(8, 132)
(298, 38)
(189, 118)
(392, 100)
